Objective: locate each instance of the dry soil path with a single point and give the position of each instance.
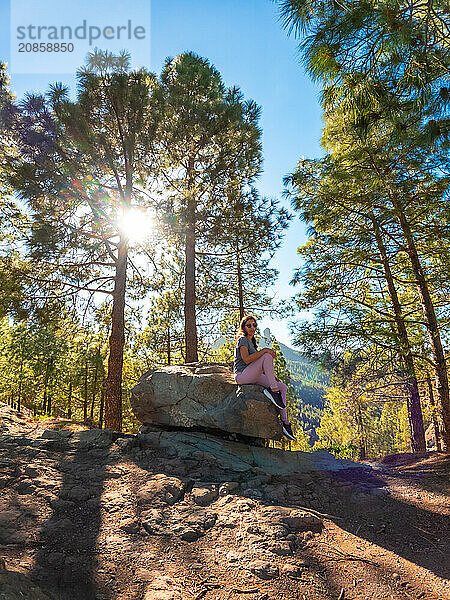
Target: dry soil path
(86, 516)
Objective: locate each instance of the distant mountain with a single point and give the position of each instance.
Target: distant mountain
(290, 353)
(303, 369)
(310, 383)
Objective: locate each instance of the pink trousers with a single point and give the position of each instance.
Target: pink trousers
(261, 372)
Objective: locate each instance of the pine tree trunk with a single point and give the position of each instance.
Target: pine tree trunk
(45, 403)
(437, 434)
(440, 367)
(19, 391)
(69, 402)
(168, 346)
(85, 402)
(361, 437)
(415, 417)
(113, 400)
(102, 405)
(94, 388)
(239, 282)
(190, 326)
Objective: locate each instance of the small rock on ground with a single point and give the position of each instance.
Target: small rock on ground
(263, 569)
(162, 587)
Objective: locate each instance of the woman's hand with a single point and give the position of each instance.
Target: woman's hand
(270, 351)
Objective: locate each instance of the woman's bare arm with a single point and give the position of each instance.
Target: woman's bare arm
(249, 358)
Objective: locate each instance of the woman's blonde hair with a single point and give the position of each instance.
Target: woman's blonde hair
(241, 330)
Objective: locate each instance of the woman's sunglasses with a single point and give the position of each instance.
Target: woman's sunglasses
(251, 325)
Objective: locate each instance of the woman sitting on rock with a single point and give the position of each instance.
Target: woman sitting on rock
(256, 366)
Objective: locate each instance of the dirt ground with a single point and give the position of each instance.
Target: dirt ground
(120, 522)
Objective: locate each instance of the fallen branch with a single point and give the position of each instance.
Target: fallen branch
(242, 591)
(317, 513)
(349, 557)
(428, 540)
(343, 555)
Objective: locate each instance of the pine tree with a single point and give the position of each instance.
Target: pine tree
(83, 163)
(245, 236)
(207, 135)
(349, 272)
(15, 297)
(384, 69)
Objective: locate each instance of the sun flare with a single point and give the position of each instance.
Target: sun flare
(135, 224)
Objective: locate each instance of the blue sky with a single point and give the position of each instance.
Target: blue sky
(246, 43)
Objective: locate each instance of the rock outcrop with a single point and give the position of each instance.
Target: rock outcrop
(204, 396)
(183, 406)
(16, 586)
(239, 457)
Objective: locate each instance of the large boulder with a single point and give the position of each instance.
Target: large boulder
(204, 396)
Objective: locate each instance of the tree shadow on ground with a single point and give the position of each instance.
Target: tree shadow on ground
(432, 473)
(66, 556)
(368, 511)
(346, 577)
(418, 535)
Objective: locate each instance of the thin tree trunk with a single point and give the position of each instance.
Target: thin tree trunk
(113, 400)
(168, 346)
(361, 438)
(19, 392)
(69, 402)
(45, 403)
(94, 387)
(102, 405)
(239, 282)
(85, 401)
(434, 413)
(415, 417)
(190, 326)
(440, 367)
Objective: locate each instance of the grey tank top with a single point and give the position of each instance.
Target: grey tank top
(239, 364)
